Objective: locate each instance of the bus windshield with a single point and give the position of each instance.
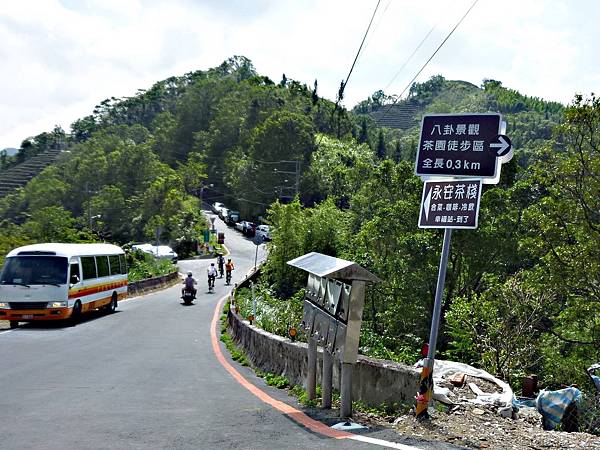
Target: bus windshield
(27, 270)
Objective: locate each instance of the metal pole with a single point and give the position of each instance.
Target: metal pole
(253, 300)
(346, 391)
(327, 379)
(297, 177)
(87, 191)
(157, 239)
(255, 256)
(311, 382)
(426, 385)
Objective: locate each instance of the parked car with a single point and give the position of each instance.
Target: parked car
(264, 231)
(217, 206)
(159, 252)
(223, 213)
(247, 228)
(232, 217)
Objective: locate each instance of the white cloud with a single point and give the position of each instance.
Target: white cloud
(63, 57)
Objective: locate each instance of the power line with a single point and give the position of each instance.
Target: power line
(234, 197)
(369, 40)
(427, 62)
(409, 58)
(345, 83)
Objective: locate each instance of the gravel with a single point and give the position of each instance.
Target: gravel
(482, 427)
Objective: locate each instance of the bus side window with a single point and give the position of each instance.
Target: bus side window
(102, 265)
(123, 264)
(88, 265)
(115, 265)
(75, 277)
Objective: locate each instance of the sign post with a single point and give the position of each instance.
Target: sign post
(456, 154)
(257, 241)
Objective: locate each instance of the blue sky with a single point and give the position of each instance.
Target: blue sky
(60, 58)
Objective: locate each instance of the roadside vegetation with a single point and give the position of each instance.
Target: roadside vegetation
(522, 291)
(142, 266)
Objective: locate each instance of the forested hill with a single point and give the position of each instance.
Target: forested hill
(530, 119)
(333, 181)
(138, 164)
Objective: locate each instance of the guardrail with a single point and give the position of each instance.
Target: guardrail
(138, 287)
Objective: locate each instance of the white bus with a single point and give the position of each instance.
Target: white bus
(61, 281)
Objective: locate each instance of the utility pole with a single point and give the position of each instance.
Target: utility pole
(87, 190)
(296, 173)
(297, 186)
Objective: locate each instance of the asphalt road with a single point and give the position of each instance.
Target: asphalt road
(145, 377)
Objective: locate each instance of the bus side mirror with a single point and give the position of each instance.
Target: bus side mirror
(74, 280)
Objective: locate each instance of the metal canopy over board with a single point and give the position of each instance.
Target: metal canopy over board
(332, 316)
(330, 267)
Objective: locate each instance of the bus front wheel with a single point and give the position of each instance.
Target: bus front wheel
(14, 324)
(76, 314)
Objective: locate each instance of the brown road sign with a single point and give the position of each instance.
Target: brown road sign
(463, 145)
(450, 204)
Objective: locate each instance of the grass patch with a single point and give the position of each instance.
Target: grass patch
(279, 381)
(236, 354)
(384, 409)
(302, 396)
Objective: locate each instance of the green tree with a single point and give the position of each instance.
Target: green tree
(507, 347)
(381, 151)
(53, 224)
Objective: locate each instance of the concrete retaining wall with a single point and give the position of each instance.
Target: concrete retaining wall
(138, 287)
(374, 381)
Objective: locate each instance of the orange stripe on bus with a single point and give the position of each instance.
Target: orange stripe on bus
(96, 289)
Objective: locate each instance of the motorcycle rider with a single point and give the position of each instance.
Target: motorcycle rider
(228, 268)
(220, 263)
(212, 274)
(189, 283)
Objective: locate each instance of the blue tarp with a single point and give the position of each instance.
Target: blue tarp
(552, 405)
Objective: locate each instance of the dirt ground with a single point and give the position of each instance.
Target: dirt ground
(478, 427)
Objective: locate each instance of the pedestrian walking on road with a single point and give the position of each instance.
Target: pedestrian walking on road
(228, 268)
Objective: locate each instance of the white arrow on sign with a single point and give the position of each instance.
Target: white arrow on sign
(503, 146)
(426, 204)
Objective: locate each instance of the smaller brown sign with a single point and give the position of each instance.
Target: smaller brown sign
(450, 204)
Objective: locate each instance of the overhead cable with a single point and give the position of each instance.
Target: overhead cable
(345, 83)
(409, 58)
(427, 62)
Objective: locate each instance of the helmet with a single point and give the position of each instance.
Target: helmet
(189, 273)
(212, 264)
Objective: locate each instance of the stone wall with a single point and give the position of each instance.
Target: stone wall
(374, 381)
(139, 287)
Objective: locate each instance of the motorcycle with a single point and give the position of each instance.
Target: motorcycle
(188, 296)
(228, 278)
(211, 284)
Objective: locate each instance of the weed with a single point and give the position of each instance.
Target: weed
(302, 396)
(279, 381)
(385, 409)
(236, 354)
